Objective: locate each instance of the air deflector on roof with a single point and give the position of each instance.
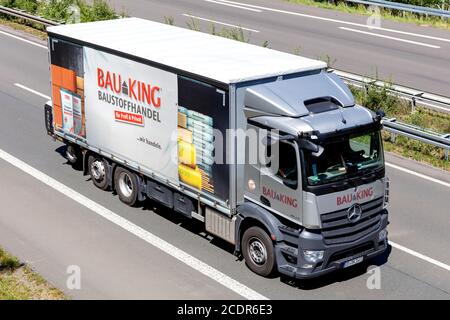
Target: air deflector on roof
(300, 96)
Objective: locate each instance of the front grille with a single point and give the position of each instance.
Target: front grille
(336, 228)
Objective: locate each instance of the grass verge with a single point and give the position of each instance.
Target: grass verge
(19, 282)
(33, 30)
(395, 15)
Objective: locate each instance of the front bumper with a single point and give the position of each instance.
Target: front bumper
(290, 260)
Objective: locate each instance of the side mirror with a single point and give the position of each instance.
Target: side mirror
(316, 150)
(270, 140)
(319, 152)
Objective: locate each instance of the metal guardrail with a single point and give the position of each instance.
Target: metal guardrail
(414, 96)
(23, 15)
(417, 133)
(405, 7)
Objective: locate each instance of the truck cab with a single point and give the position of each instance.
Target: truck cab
(322, 184)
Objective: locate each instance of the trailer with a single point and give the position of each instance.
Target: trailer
(267, 149)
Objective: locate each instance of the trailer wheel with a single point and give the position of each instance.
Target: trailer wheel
(97, 171)
(126, 184)
(258, 251)
(73, 154)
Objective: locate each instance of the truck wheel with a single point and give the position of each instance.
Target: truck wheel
(126, 185)
(73, 154)
(97, 171)
(258, 251)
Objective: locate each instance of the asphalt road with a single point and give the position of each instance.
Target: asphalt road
(52, 232)
(408, 54)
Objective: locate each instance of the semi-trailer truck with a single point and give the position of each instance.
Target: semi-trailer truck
(267, 149)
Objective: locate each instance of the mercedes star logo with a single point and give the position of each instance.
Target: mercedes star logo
(354, 213)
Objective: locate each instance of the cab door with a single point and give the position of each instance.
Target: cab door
(280, 179)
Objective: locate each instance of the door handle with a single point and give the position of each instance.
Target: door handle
(265, 201)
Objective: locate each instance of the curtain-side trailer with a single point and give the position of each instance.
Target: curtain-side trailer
(267, 149)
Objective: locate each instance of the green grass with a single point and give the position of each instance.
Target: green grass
(16, 25)
(19, 282)
(63, 10)
(384, 13)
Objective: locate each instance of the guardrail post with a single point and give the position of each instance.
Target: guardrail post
(413, 104)
(446, 151)
(393, 137)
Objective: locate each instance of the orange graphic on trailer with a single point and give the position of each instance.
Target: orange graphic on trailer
(68, 89)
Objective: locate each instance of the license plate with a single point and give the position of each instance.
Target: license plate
(352, 262)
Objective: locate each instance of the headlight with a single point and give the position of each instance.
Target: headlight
(313, 256)
(382, 235)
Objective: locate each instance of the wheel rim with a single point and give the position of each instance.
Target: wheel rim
(125, 184)
(98, 170)
(257, 251)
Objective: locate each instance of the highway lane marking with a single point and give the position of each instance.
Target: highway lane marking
(21, 86)
(134, 229)
(420, 256)
(24, 40)
(233, 5)
(337, 21)
(391, 38)
(420, 175)
(219, 22)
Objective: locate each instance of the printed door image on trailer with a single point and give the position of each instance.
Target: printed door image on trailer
(202, 111)
(67, 73)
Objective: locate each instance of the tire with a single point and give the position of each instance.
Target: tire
(73, 155)
(97, 170)
(258, 251)
(126, 185)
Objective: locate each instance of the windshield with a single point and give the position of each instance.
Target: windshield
(345, 157)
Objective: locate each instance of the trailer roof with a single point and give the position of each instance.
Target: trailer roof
(212, 57)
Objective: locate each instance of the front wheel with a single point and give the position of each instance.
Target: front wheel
(258, 251)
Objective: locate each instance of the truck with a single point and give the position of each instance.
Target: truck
(267, 150)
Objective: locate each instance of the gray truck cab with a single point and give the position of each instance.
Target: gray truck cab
(325, 200)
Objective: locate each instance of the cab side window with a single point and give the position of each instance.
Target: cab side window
(287, 169)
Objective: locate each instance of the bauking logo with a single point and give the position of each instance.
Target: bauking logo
(354, 196)
(136, 90)
(283, 198)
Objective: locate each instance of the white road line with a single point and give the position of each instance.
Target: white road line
(233, 5)
(219, 22)
(420, 175)
(24, 40)
(335, 20)
(420, 256)
(391, 38)
(21, 86)
(148, 237)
